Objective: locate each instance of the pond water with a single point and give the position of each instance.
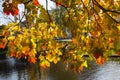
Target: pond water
(10, 69)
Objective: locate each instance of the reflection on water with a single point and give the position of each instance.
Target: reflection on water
(10, 69)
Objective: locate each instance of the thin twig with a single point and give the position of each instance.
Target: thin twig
(20, 20)
(28, 2)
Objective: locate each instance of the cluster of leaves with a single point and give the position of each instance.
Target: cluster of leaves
(34, 43)
(12, 7)
(94, 26)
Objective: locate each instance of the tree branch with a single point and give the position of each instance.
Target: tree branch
(48, 11)
(105, 11)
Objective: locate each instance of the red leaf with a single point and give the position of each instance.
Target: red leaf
(7, 13)
(14, 12)
(36, 2)
(96, 55)
(74, 40)
(58, 3)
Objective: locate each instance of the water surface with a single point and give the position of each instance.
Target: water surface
(10, 69)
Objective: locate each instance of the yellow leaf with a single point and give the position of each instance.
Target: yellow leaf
(85, 64)
(55, 61)
(16, 28)
(11, 37)
(49, 57)
(25, 49)
(32, 53)
(58, 58)
(44, 64)
(59, 53)
(27, 41)
(47, 63)
(118, 27)
(41, 57)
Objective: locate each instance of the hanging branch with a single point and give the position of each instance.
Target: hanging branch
(27, 2)
(105, 11)
(95, 16)
(87, 12)
(48, 12)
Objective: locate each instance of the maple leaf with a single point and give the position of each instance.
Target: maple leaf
(100, 60)
(36, 2)
(32, 59)
(44, 64)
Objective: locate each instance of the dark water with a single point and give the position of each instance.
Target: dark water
(10, 69)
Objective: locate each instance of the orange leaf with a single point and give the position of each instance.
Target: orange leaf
(100, 60)
(12, 55)
(74, 41)
(18, 56)
(81, 67)
(32, 59)
(44, 47)
(32, 53)
(25, 49)
(2, 46)
(43, 66)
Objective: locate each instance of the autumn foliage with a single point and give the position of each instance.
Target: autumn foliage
(43, 37)
(10, 8)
